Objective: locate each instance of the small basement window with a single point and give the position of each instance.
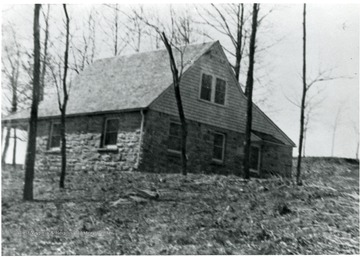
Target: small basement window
(174, 142)
(219, 147)
(111, 132)
(255, 158)
(206, 86)
(55, 136)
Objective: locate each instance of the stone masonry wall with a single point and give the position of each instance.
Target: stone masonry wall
(83, 136)
(157, 158)
(276, 159)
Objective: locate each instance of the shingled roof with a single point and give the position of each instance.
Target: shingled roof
(118, 83)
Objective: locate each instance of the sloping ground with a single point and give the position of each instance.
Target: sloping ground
(200, 214)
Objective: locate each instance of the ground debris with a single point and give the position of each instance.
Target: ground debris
(136, 213)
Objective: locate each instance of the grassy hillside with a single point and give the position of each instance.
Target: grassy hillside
(199, 214)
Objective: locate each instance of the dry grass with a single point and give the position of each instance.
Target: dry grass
(199, 214)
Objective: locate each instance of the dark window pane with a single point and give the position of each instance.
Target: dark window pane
(175, 129)
(254, 158)
(218, 140)
(55, 142)
(55, 136)
(56, 129)
(174, 142)
(218, 150)
(220, 91)
(218, 153)
(112, 125)
(111, 138)
(206, 82)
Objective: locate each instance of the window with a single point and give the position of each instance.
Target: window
(111, 132)
(220, 89)
(174, 143)
(255, 158)
(206, 85)
(219, 147)
(213, 91)
(55, 136)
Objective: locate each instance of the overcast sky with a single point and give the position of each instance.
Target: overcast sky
(332, 45)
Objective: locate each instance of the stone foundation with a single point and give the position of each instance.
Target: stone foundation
(83, 145)
(85, 155)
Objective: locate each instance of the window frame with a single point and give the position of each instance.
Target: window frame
(213, 90)
(50, 147)
(169, 135)
(223, 147)
(259, 158)
(110, 146)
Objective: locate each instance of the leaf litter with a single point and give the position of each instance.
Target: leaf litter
(141, 213)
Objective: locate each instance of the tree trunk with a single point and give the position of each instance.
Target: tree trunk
(238, 52)
(14, 150)
(302, 115)
(63, 107)
(6, 146)
(31, 146)
(63, 149)
(44, 62)
(249, 85)
(176, 82)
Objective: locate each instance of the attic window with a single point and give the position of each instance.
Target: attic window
(220, 90)
(213, 90)
(111, 132)
(206, 85)
(55, 136)
(174, 142)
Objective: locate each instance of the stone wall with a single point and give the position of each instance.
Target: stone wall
(276, 159)
(83, 145)
(85, 155)
(157, 158)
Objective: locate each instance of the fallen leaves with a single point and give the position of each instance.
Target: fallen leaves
(200, 214)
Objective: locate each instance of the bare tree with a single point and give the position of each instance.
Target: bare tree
(63, 103)
(45, 54)
(116, 44)
(84, 49)
(133, 28)
(177, 75)
(11, 66)
(249, 85)
(229, 20)
(335, 125)
(31, 146)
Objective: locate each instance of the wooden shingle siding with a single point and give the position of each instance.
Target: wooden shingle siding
(230, 116)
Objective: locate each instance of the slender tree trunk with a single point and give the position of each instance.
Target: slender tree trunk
(176, 82)
(238, 52)
(6, 146)
(333, 140)
(14, 150)
(63, 107)
(249, 85)
(302, 114)
(31, 146)
(304, 146)
(44, 62)
(116, 24)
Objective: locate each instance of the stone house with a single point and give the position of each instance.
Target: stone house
(122, 116)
